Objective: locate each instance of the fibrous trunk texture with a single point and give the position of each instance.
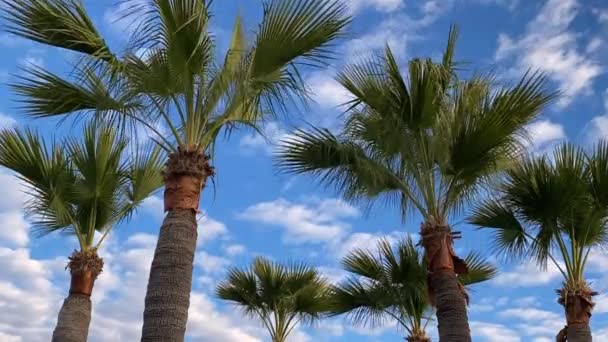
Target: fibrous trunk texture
(170, 282)
(445, 291)
(75, 314)
(578, 305)
(418, 338)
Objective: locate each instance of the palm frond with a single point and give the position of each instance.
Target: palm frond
(480, 270)
(60, 23)
(509, 236)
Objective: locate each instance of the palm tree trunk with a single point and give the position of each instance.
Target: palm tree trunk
(578, 306)
(74, 319)
(75, 314)
(579, 332)
(168, 294)
(447, 294)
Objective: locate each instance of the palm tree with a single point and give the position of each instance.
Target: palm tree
(282, 297)
(551, 208)
(426, 142)
(169, 78)
(81, 188)
(391, 284)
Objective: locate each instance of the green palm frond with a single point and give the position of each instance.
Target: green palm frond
(421, 136)
(79, 186)
(281, 296)
(60, 23)
(550, 207)
(509, 236)
(177, 80)
(480, 270)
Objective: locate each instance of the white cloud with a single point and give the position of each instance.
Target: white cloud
(544, 133)
(210, 263)
(34, 288)
(120, 18)
(597, 128)
(330, 328)
(5, 120)
(235, 249)
(550, 46)
(492, 332)
(154, 206)
(210, 229)
(368, 241)
(530, 314)
(31, 61)
(601, 303)
(601, 14)
(273, 134)
(314, 222)
(527, 275)
(327, 92)
(13, 229)
(379, 5)
(526, 301)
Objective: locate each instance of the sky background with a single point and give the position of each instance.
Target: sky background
(256, 211)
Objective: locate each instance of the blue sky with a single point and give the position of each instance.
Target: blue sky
(255, 211)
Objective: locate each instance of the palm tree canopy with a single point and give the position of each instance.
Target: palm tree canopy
(281, 296)
(420, 138)
(169, 76)
(80, 186)
(391, 283)
(547, 204)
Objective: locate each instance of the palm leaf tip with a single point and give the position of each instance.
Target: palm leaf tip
(58, 23)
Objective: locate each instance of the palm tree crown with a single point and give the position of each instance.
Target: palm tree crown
(425, 141)
(391, 284)
(280, 296)
(169, 77)
(80, 187)
(551, 208)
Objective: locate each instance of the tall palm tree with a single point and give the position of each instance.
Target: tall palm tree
(169, 78)
(425, 142)
(282, 297)
(391, 284)
(554, 208)
(82, 188)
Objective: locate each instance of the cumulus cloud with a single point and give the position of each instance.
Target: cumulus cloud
(550, 45)
(545, 133)
(320, 221)
(379, 5)
(493, 332)
(597, 128)
(272, 135)
(527, 275)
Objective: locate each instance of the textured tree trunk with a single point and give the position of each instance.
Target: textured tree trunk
(75, 314)
(578, 305)
(579, 332)
(74, 319)
(447, 294)
(168, 294)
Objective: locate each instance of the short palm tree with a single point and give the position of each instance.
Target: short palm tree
(282, 297)
(391, 284)
(427, 142)
(554, 208)
(82, 188)
(170, 78)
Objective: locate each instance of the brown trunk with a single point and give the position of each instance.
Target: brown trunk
(75, 314)
(446, 292)
(168, 294)
(578, 306)
(418, 339)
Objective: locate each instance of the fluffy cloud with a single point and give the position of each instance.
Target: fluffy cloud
(529, 314)
(550, 46)
(319, 221)
(235, 249)
(492, 332)
(527, 275)
(118, 297)
(326, 91)
(545, 133)
(597, 128)
(379, 5)
(272, 135)
(5, 120)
